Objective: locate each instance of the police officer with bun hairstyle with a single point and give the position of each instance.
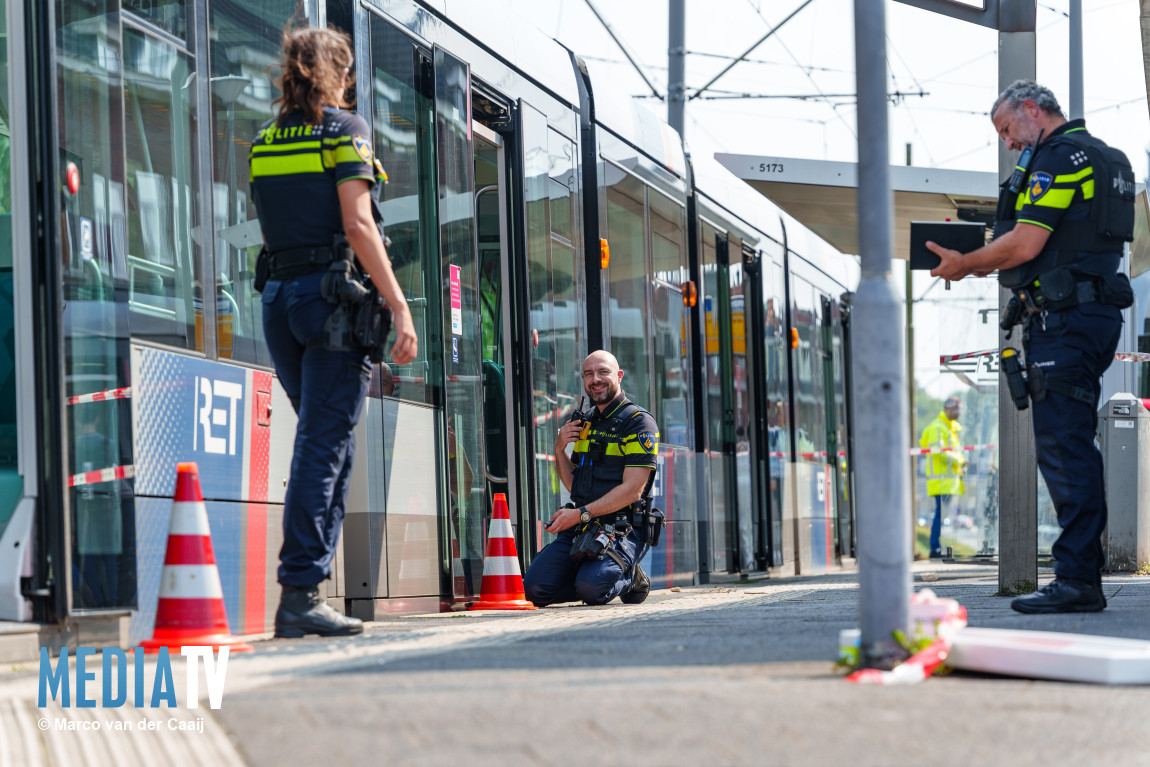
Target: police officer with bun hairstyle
(312, 173)
(1062, 222)
(595, 556)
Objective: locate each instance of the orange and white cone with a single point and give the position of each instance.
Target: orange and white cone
(191, 607)
(502, 587)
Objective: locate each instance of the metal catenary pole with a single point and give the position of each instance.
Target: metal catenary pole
(676, 63)
(882, 472)
(1076, 108)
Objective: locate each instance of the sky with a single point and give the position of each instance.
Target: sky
(943, 78)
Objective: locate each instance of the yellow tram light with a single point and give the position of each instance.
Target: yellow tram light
(604, 253)
(794, 338)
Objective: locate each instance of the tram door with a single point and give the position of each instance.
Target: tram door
(728, 408)
(15, 333)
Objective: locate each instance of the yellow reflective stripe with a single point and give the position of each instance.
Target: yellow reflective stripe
(296, 146)
(1055, 198)
(1036, 223)
(1088, 189)
(286, 165)
(333, 157)
(337, 140)
(1072, 177)
(636, 448)
(582, 445)
(613, 449)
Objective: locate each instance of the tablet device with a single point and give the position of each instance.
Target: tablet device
(963, 236)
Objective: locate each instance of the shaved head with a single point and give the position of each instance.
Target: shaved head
(601, 377)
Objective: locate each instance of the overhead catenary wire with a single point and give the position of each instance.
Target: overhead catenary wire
(623, 47)
(774, 28)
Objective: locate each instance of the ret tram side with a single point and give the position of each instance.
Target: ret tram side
(511, 163)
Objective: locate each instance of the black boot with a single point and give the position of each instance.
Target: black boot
(640, 588)
(1063, 595)
(301, 612)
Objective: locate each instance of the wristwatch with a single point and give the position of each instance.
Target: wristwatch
(584, 515)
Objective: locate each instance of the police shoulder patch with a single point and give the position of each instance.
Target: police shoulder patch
(363, 147)
(647, 440)
(1040, 183)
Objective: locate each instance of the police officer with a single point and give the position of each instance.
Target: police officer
(612, 466)
(1062, 222)
(312, 168)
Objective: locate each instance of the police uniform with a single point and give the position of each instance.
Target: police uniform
(622, 435)
(1082, 191)
(295, 170)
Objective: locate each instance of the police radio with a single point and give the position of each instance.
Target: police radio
(1018, 178)
(582, 412)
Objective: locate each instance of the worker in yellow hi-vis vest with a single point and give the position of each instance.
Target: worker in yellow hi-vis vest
(944, 466)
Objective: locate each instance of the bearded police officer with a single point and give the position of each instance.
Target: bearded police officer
(1061, 224)
(610, 471)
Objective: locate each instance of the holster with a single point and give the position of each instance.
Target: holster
(648, 522)
(370, 324)
(263, 269)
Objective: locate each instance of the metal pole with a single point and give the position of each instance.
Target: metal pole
(1076, 109)
(910, 390)
(884, 524)
(1017, 482)
(676, 63)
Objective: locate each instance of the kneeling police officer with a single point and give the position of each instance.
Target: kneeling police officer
(595, 557)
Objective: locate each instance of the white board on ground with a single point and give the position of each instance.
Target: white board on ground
(1052, 655)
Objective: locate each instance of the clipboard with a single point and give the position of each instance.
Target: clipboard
(963, 236)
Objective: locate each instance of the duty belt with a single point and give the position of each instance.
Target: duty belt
(1086, 293)
(296, 262)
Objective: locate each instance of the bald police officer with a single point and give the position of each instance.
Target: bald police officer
(1059, 237)
(611, 467)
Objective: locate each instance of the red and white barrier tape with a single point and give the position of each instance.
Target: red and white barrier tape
(101, 475)
(941, 617)
(933, 450)
(102, 396)
(1122, 356)
(945, 358)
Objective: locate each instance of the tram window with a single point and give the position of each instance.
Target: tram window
(163, 272)
(98, 433)
(628, 286)
(244, 42)
(400, 113)
(807, 392)
(712, 373)
(669, 351)
(169, 15)
(566, 287)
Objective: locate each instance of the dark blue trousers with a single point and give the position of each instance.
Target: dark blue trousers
(936, 523)
(327, 390)
(554, 577)
(1076, 346)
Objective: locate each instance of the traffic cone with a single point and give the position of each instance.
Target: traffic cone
(502, 587)
(191, 607)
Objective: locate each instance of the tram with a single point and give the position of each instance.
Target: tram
(534, 215)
